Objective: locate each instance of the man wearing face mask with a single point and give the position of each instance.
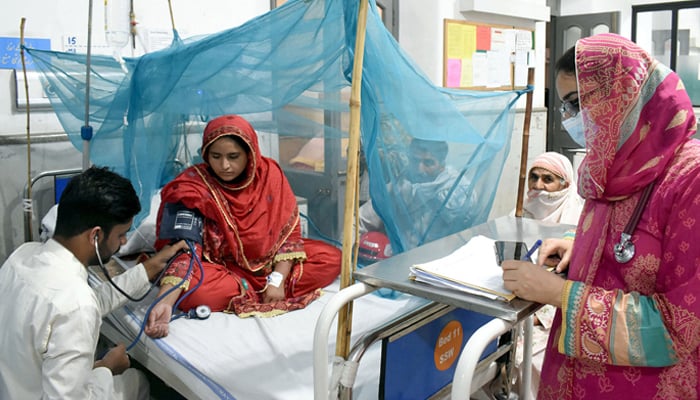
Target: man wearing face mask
(423, 187)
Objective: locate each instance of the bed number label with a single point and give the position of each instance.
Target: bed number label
(448, 345)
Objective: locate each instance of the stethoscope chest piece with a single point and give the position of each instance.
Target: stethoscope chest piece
(624, 250)
(199, 312)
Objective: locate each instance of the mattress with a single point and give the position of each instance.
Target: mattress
(227, 357)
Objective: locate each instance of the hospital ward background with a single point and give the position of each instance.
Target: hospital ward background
(476, 76)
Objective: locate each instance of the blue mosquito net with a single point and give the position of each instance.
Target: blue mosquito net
(289, 73)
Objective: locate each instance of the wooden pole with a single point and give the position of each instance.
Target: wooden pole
(342, 347)
(526, 143)
(172, 17)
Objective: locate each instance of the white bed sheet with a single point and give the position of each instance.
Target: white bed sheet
(227, 357)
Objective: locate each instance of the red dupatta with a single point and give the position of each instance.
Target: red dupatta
(252, 217)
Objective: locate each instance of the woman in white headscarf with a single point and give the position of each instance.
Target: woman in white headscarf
(552, 196)
(552, 192)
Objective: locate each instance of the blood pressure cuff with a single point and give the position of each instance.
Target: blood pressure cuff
(178, 222)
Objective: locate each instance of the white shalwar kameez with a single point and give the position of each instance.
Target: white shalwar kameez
(51, 322)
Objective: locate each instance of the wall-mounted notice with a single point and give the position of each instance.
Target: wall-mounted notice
(486, 57)
(77, 43)
(10, 55)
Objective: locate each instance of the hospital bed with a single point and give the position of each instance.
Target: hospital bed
(227, 357)
(393, 273)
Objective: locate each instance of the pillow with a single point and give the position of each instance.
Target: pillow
(138, 240)
(48, 224)
(143, 237)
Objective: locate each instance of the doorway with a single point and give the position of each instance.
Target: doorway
(563, 33)
(323, 184)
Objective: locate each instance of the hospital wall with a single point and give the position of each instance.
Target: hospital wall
(420, 34)
(65, 24)
(425, 46)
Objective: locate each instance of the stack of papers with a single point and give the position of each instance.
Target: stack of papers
(472, 268)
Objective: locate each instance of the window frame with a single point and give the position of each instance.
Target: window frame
(674, 8)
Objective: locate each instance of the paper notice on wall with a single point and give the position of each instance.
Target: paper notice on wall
(498, 63)
(159, 39)
(461, 40)
(10, 55)
(520, 70)
(78, 43)
(523, 40)
(480, 69)
(454, 70)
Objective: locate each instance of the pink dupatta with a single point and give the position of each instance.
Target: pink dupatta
(637, 120)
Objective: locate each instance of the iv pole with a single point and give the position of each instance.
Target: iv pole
(86, 130)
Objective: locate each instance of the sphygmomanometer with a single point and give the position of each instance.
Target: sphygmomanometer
(178, 223)
(181, 223)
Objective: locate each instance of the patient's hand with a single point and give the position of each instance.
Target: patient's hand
(272, 294)
(158, 261)
(159, 320)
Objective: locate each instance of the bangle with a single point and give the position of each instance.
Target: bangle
(275, 279)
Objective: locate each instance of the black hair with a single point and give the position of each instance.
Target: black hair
(241, 143)
(236, 138)
(434, 147)
(567, 62)
(96, 197)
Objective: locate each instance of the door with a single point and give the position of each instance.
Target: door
(564, 33)
(389, 11)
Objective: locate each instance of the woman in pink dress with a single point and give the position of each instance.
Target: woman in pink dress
(628, 318)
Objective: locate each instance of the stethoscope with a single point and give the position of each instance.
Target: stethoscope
(114, 284)
(624, 249)
(200, 312)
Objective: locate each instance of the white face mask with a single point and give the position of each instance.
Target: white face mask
(574, 126)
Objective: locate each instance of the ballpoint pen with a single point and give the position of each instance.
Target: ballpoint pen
(532, 250)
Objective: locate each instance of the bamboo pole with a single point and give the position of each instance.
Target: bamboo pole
(172, 17)
(351, 196)
(526, 143)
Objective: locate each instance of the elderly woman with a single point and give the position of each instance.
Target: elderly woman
(551, 197)
(254, 260)
(551, 192)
